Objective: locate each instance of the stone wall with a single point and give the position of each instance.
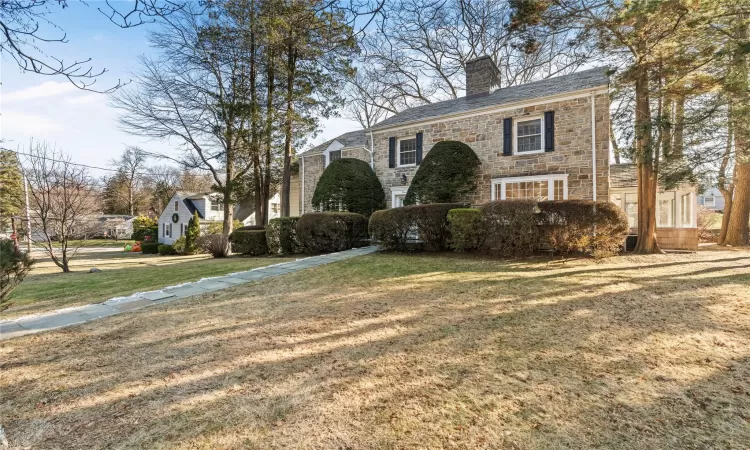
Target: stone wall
(677, 238)
(484, 134)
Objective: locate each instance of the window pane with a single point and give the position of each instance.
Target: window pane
(529, 136)
(666, 212)
(535, 190)
(559, 190)
(407, 153)
(333, 156)
(686, 210)
(631, 209)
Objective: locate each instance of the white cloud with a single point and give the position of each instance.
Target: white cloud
(30, 125)
(44, 90)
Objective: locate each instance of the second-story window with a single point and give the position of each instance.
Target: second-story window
(407, 152)
(529, 136)
(176, 205)
(215, 204)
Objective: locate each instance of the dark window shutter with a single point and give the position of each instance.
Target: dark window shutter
(419, 148)
(549, 131)
(391, 152)
(508, 137)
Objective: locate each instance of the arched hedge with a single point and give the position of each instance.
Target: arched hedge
(349, 184)
(447, 175)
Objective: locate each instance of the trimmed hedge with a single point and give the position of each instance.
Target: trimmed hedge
(281, 236)
(467, 229)
(511, 227)
(331, 231)
(448, 174)
(166, 250)
(150, 248)
(249, 241)
(595, 228)
(393, 226)
(349, 184)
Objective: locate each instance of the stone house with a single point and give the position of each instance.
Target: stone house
(547, 139)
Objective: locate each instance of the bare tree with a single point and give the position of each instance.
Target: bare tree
(130, 166)
(28, 34)
(63, 201)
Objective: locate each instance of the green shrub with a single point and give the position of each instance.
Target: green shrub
(215, 244)
(14, 266)
(150, 248)
(331, 231)
(448, 174)
(349, 184)
(145, 229)
(511, 227)
(166, 250)
(432, 223)
(249, 242)
(192, 233)
(179, 245)
(583, 226)
(467, 229)
(281, 236)
(392, 227)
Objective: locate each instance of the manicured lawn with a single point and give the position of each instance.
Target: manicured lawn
(407, 351)
(108, 243)
(47, 288)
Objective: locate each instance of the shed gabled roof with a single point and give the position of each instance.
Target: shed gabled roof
(587, 79)
(623, 175)
(351, 139)
(191, 207)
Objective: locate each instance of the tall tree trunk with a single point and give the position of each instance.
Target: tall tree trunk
(679, 127)
(254, 119)
(726, 189)
(286, 179)
(647, 167)
(266, 185)
(737, 228)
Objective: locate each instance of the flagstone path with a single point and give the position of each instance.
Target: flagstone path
(72, 316)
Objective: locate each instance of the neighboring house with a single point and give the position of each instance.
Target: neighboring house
(676, 209)
(210, 208)
(547, 139)
(712, 199)
(114, 226)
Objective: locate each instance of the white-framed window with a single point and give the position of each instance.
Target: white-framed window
(182, 229)
(407, 152)
(167, 230)
(631, 209)
(215, 204)
(275, 208)
(686, 210)
(398, 194)
(538, 187)
(176, 205)
(333, 152)
(665, 212)
(709, 201)
(528, 135)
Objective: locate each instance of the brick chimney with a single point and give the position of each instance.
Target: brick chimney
(482, 75)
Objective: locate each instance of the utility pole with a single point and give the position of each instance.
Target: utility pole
(28, 216)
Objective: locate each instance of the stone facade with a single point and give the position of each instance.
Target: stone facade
(484, 134)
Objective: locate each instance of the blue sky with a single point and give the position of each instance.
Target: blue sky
(79, 122)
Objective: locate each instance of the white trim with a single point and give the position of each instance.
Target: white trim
(397, 190)
(398, 151)
(302, 189)
(713, 200)
(540, 118)
(550, 178)
(593, 144)
(334, 146)
(583, 93)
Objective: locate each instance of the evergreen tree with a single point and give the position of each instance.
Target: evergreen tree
(11, 188)
(192, 233)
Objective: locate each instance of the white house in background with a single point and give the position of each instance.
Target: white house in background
(712, 199)
(676, 209)
(173, 221)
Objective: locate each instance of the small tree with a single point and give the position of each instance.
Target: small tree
(350, 185)
(447, 175)
(14, 266)
(145, 229)
(192, 233)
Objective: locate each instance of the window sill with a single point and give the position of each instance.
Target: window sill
(406, 166)
(535, 152)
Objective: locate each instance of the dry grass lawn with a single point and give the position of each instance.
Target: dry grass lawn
(408, 351)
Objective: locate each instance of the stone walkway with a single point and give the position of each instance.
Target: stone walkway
(73, 316)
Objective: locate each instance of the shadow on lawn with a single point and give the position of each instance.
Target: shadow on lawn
(473, 357)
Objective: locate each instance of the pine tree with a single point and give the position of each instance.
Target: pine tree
(11, 188)
(192, 232)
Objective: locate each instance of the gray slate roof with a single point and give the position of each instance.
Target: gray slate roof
(586, 79)
(623, 175)
(351, 139)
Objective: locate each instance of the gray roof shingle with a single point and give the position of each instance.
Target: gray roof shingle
(351, 139)
(623, 175)
(577, 81)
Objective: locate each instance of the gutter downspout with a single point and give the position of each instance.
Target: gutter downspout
(302, 196)
(593, 142)
(372, 151)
